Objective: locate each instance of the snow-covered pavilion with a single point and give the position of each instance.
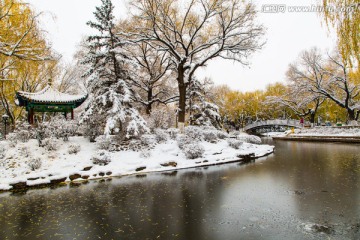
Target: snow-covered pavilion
(49, 100)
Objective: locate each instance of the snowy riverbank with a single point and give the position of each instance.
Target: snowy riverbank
(60, 165)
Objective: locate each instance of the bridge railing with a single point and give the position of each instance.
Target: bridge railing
(275, 122)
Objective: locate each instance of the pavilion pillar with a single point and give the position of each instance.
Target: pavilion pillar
(72, 114)
(65, 115)
(31, 116)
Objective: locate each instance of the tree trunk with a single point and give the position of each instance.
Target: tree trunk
(149, 104)
(182, 97)
(351, 114)
(312, 117)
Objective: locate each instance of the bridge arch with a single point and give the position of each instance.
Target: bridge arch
(272, 124)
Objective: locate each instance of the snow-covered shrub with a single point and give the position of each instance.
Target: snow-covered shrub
(148, 140)
(210, 136)
(161, 135)
(249, 138)
(234, 143)
(24, 151)
(50, 144)
(23, 136)
(135, 145)
(173, 133)
(194, 132)
(193, 150)
(74, 148)
(101, 158)
(103, 142)
(221, 134)
(2, 151)
(183, 140)
(145, 153)
(12, 138)
(234, 133)
(34, 163)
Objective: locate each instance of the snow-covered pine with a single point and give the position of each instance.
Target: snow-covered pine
(202, 112)
(109, 110)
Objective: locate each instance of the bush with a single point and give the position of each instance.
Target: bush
(23, 136)
(101, 158)
(193, 150)
(173, 133)
(234, 143)
(135, 145)
(249, 139)
(183, 141)
(210, 136)
(74, 148)
(222, 134)
(161, 135)
(34, 163)
(51, 144)
(24, 151)
(12, 138)
(103, 142)
(2, 151)
(195, 133)
(148, 140)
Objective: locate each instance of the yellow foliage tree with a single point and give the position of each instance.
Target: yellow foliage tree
(344, 15)
(25, 56)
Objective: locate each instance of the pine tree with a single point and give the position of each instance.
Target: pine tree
(109, 109)
(201, 111)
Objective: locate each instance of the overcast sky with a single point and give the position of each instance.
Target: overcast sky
(288, 33)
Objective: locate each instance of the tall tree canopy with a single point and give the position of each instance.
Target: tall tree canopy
(109, 109)
(24, 54)
(344, 15)
(194, 32)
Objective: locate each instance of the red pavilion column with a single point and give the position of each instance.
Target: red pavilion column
(72, 114)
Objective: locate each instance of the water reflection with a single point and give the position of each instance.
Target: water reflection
(273, 198)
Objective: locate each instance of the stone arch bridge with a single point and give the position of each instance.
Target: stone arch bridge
(272, 125)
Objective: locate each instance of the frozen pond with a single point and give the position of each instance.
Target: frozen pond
(302, 191)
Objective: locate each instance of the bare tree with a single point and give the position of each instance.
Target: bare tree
(151, 75)
(298, 100)
(327, 78)
(193, 32)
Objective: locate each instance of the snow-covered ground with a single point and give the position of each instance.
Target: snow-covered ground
(272, 134)
(327, 131)
(60, 164)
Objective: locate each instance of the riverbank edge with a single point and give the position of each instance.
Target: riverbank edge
(24, 187)
(326, 139)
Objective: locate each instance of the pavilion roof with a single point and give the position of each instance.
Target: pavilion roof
(50, 95)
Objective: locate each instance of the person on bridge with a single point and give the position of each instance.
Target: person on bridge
(302, 122)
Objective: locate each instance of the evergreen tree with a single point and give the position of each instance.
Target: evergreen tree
(109, 108)
(201, 111)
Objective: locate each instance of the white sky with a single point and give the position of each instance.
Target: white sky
(287, 35)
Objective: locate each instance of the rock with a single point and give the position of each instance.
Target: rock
(19, 185)
(74, 176)
(101, 174)
(247, 157)
(140, 169)
(168, 164)
(108, 173)
(87, 168)
(32, 179)
(173, 173)
(85, 176)
(57, 181)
